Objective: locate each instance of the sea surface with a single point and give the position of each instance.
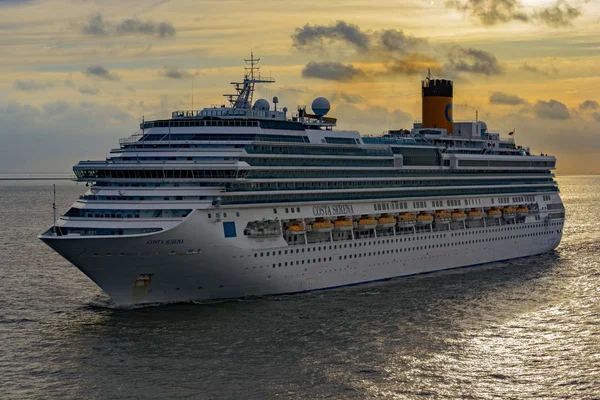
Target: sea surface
(523, 329)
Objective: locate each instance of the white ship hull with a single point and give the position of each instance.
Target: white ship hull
(193, 261)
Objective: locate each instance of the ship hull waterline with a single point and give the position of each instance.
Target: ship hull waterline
(182, 264)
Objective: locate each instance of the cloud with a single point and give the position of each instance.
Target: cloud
(56, 108)
(552, 109)
(174, 72)
(31, 86)
(559, 15)
(371, 120)
(589, 105)
(9, 3)
(100, 72)
(333, 71)
(132, 25)
(50, 138)
(506, 99)
(349, 98)
(88, 90)
(316, 35)
(596, 116)
(378, 42)
(398, 53)
(397, 41)
(473, 61)
(412, 64)
(493, 12)
(537, 70)
(97, 26)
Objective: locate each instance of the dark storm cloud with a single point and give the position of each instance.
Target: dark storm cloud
(174, 72)
(552, 109)
(31, 86)
(473, 61)
(506, 99)
(589, 105)
(492, 12)
(333, 71)
(558, 15)
(100, 72)
(97, 26)
(311, 35)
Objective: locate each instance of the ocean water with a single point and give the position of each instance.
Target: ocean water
(523, 329)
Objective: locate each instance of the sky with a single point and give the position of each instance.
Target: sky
(77, 75)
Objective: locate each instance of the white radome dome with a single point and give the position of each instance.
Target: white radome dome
(261, 104)
(320, 106)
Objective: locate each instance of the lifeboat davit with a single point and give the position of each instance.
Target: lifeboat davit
(459, 216)
(386, 222)
(494, 213)
(474, 215)
(424, 219)
(442, 217)
(522, 211)
(341, 225)
(296, 229)
(366, 223)
(509, 212)
(407, 219)
(322, 226)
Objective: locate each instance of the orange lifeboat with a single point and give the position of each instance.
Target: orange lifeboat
(474, 215)
(494, 213)
(296, 228)
(459, 216)
(322, 226)
(509, 212)
(386, 222)
(442, 217)
(424, 219)
(366, 223)
(344, 224)
(407, 219)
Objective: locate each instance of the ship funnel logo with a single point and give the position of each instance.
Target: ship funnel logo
(448, 112)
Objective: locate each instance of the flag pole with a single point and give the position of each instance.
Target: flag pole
(54, 208)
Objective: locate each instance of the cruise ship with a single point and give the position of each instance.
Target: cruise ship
(250, 199)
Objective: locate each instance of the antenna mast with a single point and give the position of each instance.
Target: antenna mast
(245, 89)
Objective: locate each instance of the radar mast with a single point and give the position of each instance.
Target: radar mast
(245, 89)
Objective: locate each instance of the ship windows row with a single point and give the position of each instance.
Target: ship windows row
(95, 213)
(415, 248)
(160, 174)
(316, 162)
(326, 195)
(254, 186)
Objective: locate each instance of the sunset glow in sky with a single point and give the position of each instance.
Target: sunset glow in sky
(77, 75)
